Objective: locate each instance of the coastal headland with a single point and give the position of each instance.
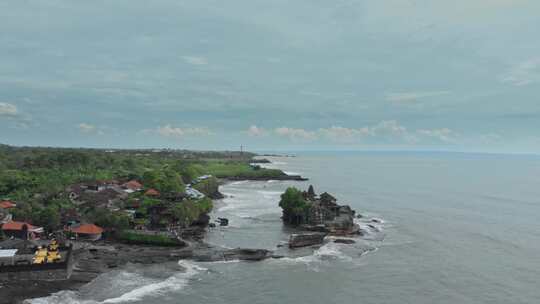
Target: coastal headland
(115, 207)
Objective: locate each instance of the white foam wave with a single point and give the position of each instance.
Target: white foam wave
(62, 297)
(291, 173)
(131, 280)
(174, 282)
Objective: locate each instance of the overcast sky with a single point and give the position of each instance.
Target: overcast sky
(304, 74)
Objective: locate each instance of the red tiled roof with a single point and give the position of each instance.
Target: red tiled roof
(13, 225)
(7, 204)
(86, 229)
(133, 185)
(152, 192)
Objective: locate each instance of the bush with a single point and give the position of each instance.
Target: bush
(293, 201)
(131, 237)
(188, 211)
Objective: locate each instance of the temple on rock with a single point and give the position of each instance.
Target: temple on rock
(317, 213)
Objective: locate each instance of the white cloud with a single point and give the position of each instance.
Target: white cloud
(344, 134)
(444, 135)
(7, 109)
(387, 131)
(388, 128)
(195, 60)
(86, 128)
(255, 131)
(170, 131)
(524, 73)
(407, 97)
(90, 129)
(296, 134)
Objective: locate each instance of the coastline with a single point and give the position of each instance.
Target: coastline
(94, 259)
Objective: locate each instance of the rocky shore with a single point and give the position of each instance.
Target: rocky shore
(97, 258)
(93, 259)
(284, 177)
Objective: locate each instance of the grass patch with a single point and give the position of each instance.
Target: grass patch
(135, 238)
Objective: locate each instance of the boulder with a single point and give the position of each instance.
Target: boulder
(223, 221)
(202, 221)
(243, 254)
(344, 241)
(306, 239)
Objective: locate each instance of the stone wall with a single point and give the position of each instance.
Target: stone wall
(45, 272)
(45, 275)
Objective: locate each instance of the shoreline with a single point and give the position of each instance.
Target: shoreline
(95, 259)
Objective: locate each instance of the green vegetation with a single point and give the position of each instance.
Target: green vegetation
(295, 206)
(165, 181)
(209, 186)
(111, 220)
(37, 179)
(239, 169)
(132, 237)
(293, 200)
(188, 211)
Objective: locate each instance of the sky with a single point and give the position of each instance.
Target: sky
(461, 75)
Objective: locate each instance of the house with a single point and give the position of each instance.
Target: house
(22, 230)
(105, 199)
(70, 215)
(7, 205)
(159, 216)
(5, 216)
(132, 186)
(152, 192)
(88, 232)
(193, 193)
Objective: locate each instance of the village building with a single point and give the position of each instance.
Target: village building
(5, 216)
(132, 186)
(22, 230)
(152, 192)
(89, 232)
(105, 198)
(7, 205)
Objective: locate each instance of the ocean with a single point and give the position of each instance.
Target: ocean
(450, 228)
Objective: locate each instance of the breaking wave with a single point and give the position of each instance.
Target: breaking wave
(132, 285)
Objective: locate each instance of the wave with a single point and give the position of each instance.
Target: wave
(126, 280)
(175, 282)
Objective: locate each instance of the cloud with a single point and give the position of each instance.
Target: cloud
(524, 73)
(388, 128)
(407, 97)
(171, 131)
(195, 60)
(444, 135)
(86, 128)
(296, 134)
(255, 131)
(90, 129)
(344, 134)
(386, 131)
(8, 109)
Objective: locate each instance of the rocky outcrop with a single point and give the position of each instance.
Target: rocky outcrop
(242, 254)
(283, 177)
(344, 241)
(322, 214)
(306, 239)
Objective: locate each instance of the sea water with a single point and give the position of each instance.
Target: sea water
(450, 228)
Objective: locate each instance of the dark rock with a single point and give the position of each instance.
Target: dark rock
(247, 254)
(306, 239)
(243, 254)
(223, 221)
(344, 241)
(202, 221)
